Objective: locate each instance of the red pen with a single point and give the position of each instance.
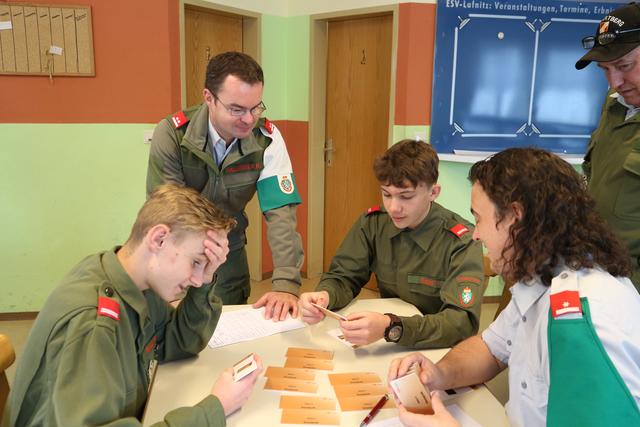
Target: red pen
(374, 411)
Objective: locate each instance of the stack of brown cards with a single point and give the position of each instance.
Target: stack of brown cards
(298, 375)
(309, 410)
(359, 391)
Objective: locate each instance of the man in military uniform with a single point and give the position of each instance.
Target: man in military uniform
(612, 162)
(224, 150)
(419, 252)
(92, 351)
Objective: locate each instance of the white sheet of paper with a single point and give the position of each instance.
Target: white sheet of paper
(463, 418)
(248, 324)
(5, 25)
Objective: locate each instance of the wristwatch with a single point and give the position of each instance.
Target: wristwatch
(393, 332)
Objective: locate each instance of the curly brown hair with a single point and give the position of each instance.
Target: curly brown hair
(559, 223)
(407, 160)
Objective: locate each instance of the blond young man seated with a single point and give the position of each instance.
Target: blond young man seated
(91, 353)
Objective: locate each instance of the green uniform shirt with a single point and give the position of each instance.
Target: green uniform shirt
(612, 167)
(80, 368)
(430, 267)
(181, 152)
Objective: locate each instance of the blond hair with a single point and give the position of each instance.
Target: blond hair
(182, 209)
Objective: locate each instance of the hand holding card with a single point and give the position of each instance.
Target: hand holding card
(244, 367)
(413, 395)
(329, 313)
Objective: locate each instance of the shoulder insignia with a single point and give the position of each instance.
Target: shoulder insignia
(373, 209)
(108, 307)
(565, 302)
(179, 119)
(268, 125)
(459, 230)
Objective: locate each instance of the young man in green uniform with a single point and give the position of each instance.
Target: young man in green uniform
(419, 252)
(569, 335)
(224, 150)
(92, 351)
(612, 162)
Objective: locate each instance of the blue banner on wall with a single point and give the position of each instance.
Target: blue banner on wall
(505, 76)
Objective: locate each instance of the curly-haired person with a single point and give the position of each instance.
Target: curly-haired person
(569, 334)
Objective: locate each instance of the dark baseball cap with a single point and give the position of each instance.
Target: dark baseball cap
(618, 34)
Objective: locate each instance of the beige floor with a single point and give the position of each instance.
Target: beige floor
(17, 330)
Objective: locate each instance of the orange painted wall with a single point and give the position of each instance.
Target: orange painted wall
(296, 135)
(414, 72)
(137, 63)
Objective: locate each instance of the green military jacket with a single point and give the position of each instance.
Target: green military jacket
(181, 152)
(437, 267)
(82, 367)
(612, 168)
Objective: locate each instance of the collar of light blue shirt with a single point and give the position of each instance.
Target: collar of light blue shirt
(219, 145)
(631, 110)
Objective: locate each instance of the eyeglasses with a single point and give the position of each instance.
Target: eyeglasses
(239, 111)
(605, 38)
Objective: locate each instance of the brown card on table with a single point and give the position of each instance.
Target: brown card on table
(286, 384)
(354, 378)
(290, 373)
(301, 362)
(353, 390)
(309, 416)
(362, 403)
(307, 402)
(309, 353)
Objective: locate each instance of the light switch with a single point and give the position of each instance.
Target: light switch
(147, 135)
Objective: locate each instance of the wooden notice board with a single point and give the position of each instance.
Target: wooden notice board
(46, 40)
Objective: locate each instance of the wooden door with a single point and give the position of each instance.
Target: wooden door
(357, 120)
(206, 34)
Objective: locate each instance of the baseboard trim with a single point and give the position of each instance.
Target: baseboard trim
(19, 315)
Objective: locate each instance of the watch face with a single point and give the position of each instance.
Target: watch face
(394, 333)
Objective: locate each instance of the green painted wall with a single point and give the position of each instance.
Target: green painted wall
(285, 60)
(66, 191)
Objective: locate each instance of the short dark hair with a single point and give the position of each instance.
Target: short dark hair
(560, 223)
(407, 160)
(237, 64)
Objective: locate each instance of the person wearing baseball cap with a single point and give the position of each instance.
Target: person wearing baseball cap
(612, 162)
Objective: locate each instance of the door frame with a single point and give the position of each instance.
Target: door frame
(251, 43)
(317, 118)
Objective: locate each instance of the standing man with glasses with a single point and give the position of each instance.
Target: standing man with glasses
(226, 151)
(612, 162)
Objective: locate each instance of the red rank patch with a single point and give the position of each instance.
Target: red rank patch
(565, 302)
(109, 308)
(373, 209)
(459, 230)
(151, 345)
(179, 119)
(268, 126)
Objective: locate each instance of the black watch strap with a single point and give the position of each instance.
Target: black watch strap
(393, 332)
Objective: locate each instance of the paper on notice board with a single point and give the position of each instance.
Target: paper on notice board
(5, 25)
(248, 324)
